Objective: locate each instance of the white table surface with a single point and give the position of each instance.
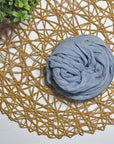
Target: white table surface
(11, 133)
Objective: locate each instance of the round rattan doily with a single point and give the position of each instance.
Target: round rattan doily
(24, 48)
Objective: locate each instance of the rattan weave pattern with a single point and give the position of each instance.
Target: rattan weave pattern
(24, 48)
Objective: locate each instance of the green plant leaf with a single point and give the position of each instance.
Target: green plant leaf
(11, 2)
(27, 7)
(16, 14)
(17, 10)
(21, 4)
(16, 19)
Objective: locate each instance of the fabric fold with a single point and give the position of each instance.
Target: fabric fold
(80, 67)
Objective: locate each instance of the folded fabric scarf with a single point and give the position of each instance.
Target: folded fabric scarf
(80, 67)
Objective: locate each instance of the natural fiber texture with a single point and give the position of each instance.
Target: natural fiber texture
(24, 49)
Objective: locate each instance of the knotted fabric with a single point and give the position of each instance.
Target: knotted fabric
(80, 67)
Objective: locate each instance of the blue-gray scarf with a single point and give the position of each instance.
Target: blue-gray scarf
(80, 67)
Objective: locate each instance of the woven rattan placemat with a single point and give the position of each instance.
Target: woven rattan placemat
(24, 48)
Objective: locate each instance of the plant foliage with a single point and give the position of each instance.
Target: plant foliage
(17, 10)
